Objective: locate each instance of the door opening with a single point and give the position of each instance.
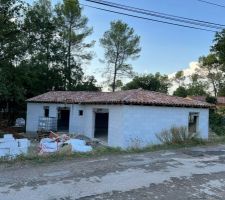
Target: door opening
(193, 122)
(63, 119)
(101, 126)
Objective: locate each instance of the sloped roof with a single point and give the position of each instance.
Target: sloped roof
(134, 97)
(198, 98)
(220, 100)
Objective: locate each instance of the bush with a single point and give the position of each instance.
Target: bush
(216, 122)
(177, 135)
(210, 99)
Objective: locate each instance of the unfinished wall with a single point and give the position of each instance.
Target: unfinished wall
(128, 125)
(115, 134)
(141, 123)
(80, 124)
(77, 121)
(36, 110)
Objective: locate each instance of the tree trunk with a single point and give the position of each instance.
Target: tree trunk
(115, 73)
(69, 59)
(114, 80)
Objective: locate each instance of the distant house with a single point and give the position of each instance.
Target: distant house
(220, 100)
(123, 119)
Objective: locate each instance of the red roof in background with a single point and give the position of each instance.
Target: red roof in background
(134, 97)
(198, 98)
(220, 100)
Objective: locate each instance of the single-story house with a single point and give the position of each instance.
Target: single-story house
(123, 118)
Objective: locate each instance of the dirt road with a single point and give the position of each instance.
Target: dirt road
(197, 173)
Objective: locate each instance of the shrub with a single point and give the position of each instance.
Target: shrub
(210, 99)
(177, 135)
(216, 122)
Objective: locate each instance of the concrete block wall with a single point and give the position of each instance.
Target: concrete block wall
(142, 123)
(128, 125)
(115, 135)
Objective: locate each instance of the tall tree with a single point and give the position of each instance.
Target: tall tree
(152, 82)
(118, 85)
(218, 47)
(179, 78)
(11, 12)
(42, 48)
(11, 53)
(197, 87)
(210, 68)
(120, 44)
(74, 30)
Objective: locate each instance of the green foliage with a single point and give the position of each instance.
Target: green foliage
(152, 82)
(210, 99)
(120, 44)
(196, 87)
(221, 91)
(88, 84)
(211, 67)
(72, 27)
(216, 122)
(11, 50)
(176, 135)
(179, 78)
(180, 92)
(42, 48)
(219, 46)
(196, 90)
(118, 85)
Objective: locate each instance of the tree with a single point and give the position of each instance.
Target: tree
(196, 87)
(118, 85)
(218, 47)
(41, 49)
(88, 84)
(120, 44)
(179, 78)
(43, 63)
(11, 53)
(157, 82)
(211, 69)
(181, 91)
(11, 29)
(73, 29)
(211, 99)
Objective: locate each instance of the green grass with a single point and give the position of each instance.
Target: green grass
(103, 151)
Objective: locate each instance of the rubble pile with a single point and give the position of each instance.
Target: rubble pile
(57, 143)
(9, 146)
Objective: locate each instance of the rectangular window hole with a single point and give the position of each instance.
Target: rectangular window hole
(81, 112)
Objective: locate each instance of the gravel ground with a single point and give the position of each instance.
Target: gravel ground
(195, 173)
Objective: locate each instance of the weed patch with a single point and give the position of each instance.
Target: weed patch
(104, 151)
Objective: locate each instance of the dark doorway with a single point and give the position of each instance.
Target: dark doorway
(63, 119)
(193, 122)
(101, 125)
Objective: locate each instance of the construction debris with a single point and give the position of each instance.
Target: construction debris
(79, 145)
(20, 122)
(9, 146)
(57, 143)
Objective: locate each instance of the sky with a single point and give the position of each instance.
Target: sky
(165, 48)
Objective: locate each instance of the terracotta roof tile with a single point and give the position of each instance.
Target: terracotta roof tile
(220, 100)
(135, 97)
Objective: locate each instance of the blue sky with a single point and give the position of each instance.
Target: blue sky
(165, 48)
